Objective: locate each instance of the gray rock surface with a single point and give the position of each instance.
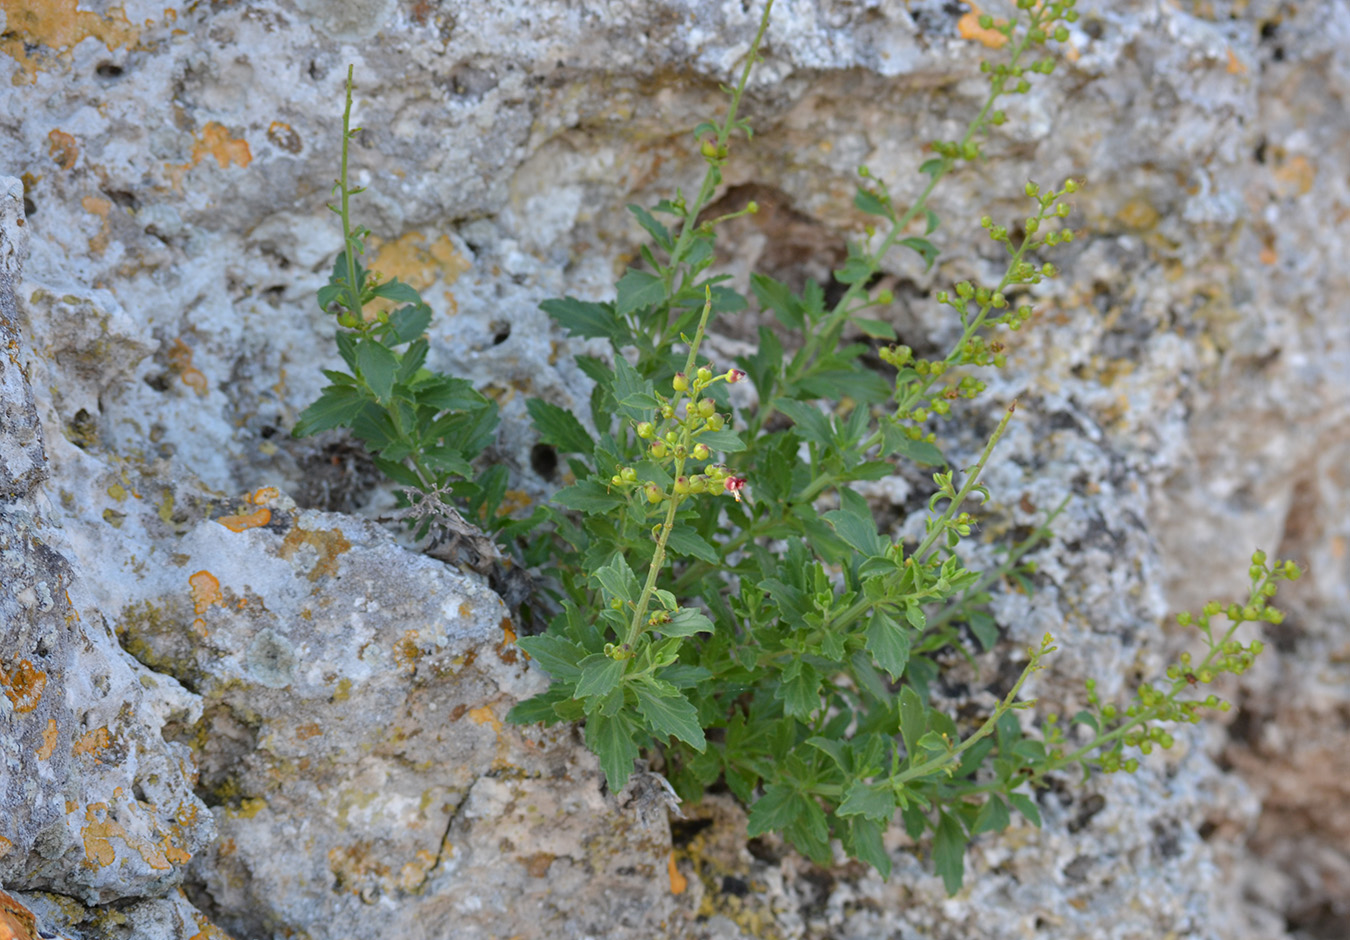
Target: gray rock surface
(279, 699)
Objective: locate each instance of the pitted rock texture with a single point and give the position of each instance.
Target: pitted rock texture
(1185, 382)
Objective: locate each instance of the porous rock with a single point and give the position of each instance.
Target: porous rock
(1185, 382)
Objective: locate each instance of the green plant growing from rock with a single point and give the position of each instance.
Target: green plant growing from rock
(727, 604)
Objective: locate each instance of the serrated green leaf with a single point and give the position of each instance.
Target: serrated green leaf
(800, 693)
(925, 249)
(617, 580)
(855, 269)
(871, 203)
(992, 817)
(588, 496)
(773, 811)
(811, 425)
(408, 323)
(889, 644)
(398, 292)
(1086, 718)
(631, 390)
(858, 532)
(669, 713)
(873, 800)
(555, 655)
(377, 364)
(984, 627)
(863, 840)
(542, 707)
(686, 622)
(894, 440)
(913, 719)
(559, 427)
(655, 229)
(600, 675)
(588, 319)
(777, 296)
(334, 408)
(949, 852)
(448, 394)
(726, 440)
(685, 541)
(638, 289)
(878, 329)
(610, 737)
(933, 167)
(1027, 807)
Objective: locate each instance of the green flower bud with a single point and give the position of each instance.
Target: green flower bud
(698, 484)
(716, 422)
(964, 290)
(659, 449)
(628, 474)
(682, 486)
(680, 382)
(653, 493)
(704, 374)
(646, 430)
(700, 451)
(706, 407)
(1031, 189)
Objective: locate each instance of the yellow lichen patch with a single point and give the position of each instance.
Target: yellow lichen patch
(406, 651)
(5, 846)
(248, 808)
(284, 136)
(250, 520)
(1138, 215)
(416, 263)
(49, 737)
(513, 500)
(98, 830)
(100, 208)
(118, 492)
(969, 27)
(205, 929)
(63, 148)
(1296, 176)
(414, 874)
(1235, 65)
(205, 591)
(180, 357)
(678, 883)
(16, 921)
(23, 685)
(508, 634)
(91, 742)
(305, 732)
(59, 26)
(484, 715)
(329, 543)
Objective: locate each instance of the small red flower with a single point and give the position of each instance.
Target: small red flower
(734, 485)
(734, 376)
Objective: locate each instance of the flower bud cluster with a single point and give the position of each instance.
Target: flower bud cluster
(674, 440)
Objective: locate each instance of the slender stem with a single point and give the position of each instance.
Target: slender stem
(353, 288)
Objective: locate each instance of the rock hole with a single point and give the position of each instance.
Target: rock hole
(123, 198)
(682, 831)
(159, 381)
(1094, 29)
(734, 886)
(108, 70)
(138, 792)
(544, 460)
(501, 332)
(29, 207)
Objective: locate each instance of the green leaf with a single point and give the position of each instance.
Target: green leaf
(913, 720)
(408, 323)
(631, 390)
(933, 167)
(726, 440)
(559, 427)
(617, 580)
(863, 840)
(949, 852)
(669, 713)
(799, 690)
(655, 229)
(448, 394)
(889, 644)
(377, 365)
(777, 296)
(557, 656)
(335, 407)
(588, 496)
(871, 203)
(685, 541)
(926, 249)
(933, 221)
(856, 268)
(878, 329)
(812, 426)
(984, 628)
(398, 292)
(992, 817)
(411, 361)
(894, 440)
(873, 800)
(1027, 807)
(858, 532)
(686, 622)
(638, 289)
(610, 737)
(542, 707)
(773, 811)
(588, 319)
(600, 675)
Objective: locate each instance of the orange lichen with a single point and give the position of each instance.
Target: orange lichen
(99, 207)
(49, 738)
(1235, 65)
(63, 148)
(305, 732)
(91, 742)
(329, 543)
(1295, 176)
(484, 715)
(205, 591)
(264, 495)
(251, 520)
(213, 141)
(284, 136)
(969, 27)
(180, 357)
(16, 921)
(678, 883)
(508, 634)
(59, 26)
(207, 930)
(23, 686)
(417, 263)
(101, 828)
